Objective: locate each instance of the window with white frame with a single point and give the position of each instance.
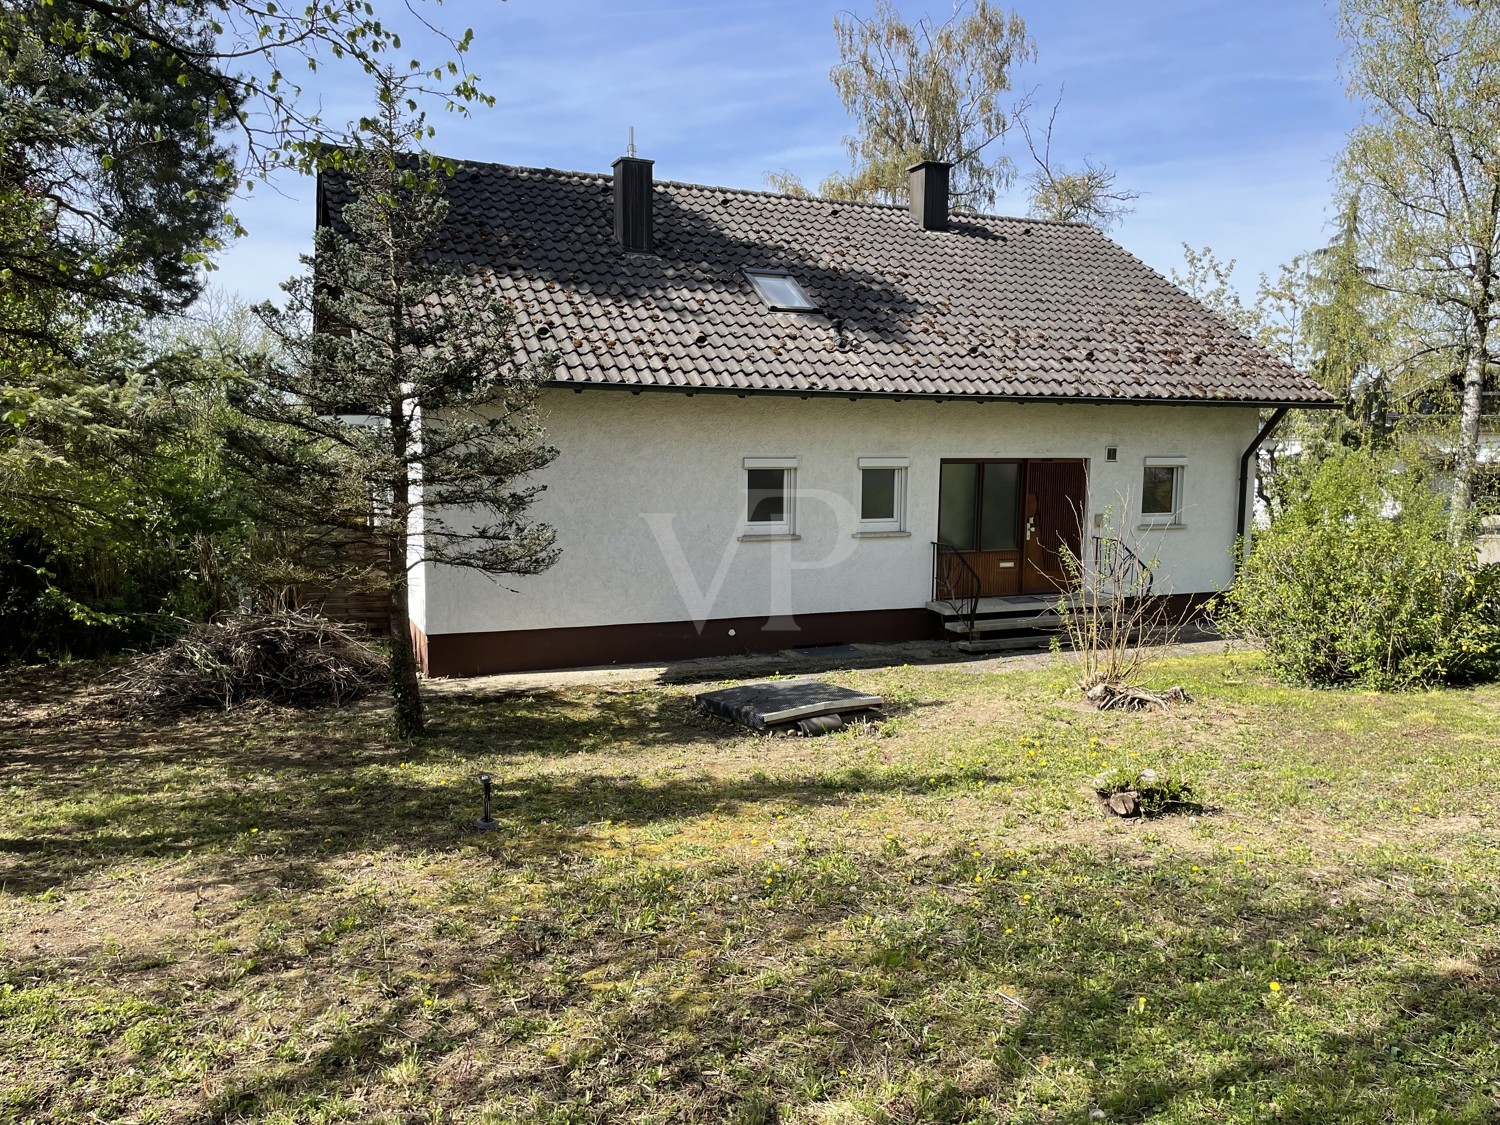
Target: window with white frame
(1162, 490)
(882, 495)
(770, 496)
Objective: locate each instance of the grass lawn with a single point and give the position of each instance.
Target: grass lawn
(280, 916)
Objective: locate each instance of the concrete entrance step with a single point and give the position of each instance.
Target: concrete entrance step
(1002, 624)
(995, 607)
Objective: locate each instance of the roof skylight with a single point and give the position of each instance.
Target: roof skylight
(780, 291)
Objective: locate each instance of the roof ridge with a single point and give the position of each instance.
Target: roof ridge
(960, 216)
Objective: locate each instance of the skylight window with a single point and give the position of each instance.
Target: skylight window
(780, 291)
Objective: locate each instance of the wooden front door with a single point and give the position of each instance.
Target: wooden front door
(1054, 520)
(1009, 518)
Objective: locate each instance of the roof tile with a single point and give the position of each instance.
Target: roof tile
(992, 307)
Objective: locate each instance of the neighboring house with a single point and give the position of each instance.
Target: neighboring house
(786, 421)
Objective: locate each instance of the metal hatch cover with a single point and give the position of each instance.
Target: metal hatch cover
(781, 703)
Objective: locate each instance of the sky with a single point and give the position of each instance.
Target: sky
(1226, 116)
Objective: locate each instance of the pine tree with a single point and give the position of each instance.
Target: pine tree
(407, 393)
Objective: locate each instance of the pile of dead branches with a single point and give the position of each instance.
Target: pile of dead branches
(1115, 696)
(296, 659)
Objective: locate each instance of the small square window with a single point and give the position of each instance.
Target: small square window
(882, 494)
(1161, 491)
(780, 291)
(769, 495)
(1112, 453)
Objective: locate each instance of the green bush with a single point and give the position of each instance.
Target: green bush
(1357, 583)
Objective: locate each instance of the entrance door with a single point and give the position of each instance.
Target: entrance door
(1054, 520)
(1009, 519)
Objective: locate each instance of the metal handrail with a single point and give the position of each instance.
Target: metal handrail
(1124, 569)
(965, 602)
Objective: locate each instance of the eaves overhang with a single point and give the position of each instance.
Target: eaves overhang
(899, 396)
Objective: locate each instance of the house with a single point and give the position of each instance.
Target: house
(785, 421)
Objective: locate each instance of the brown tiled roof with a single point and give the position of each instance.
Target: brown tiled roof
(991, 308)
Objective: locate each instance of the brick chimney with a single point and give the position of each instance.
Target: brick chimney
(633, 191)
(929, 194)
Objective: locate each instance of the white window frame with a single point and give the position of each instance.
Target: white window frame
(785, 528)
(1178, 464)
(804, 304)
(897, 524)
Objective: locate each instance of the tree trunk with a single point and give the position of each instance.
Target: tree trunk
(1468, 432)
(405, 690)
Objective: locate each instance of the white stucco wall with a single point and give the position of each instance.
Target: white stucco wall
(647, 495)
(417, 573)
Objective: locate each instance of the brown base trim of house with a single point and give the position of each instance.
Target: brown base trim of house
(535, 650)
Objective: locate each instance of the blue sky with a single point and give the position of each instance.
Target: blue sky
(1227, 116)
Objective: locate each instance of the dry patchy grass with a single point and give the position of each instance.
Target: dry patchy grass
(281, 916)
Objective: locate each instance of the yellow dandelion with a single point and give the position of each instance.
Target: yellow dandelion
(1275, 986)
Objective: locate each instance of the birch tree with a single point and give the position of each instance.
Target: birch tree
(1425, 162)
(945, 90)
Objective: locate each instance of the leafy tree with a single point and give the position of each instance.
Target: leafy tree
(942, 90)
(1425, 164)
(928, 91)
(114, 505)
(1089, 194)
(1211, 282)
(408, 392)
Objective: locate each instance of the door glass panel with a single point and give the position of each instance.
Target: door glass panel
(1002, 487)
(957, 489)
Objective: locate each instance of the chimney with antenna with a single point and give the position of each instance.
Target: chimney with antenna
(633, 192)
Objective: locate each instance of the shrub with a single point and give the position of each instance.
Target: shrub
(1357, 583)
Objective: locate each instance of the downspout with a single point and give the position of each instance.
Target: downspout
(1265, 431)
